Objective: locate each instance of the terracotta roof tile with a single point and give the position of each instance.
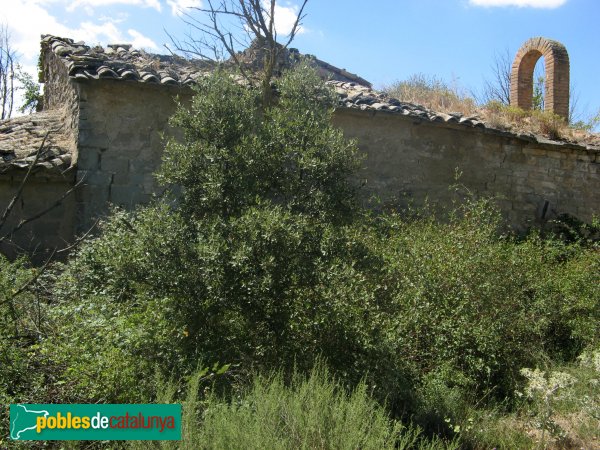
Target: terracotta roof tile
(121, 62)
(20, 138)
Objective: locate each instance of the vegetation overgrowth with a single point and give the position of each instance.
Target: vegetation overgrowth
(260, 295)
(438, 95)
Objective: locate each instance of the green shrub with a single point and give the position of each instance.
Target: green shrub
(258, 264)
(236, 153)
(268, 289)
(312, 412)
(22, 323)
(471, 308)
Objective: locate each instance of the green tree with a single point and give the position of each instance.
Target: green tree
(32, 96)
(257, 262)
(539, 91)
(235, 155)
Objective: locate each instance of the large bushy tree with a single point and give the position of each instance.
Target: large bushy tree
(254, 261)
(235, 154)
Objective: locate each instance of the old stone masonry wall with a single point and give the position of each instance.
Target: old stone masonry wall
(532, 180)
(408, 160)
(120, 144)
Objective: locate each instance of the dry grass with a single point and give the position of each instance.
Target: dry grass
(510, 118)
(432, 93)
(437, 95)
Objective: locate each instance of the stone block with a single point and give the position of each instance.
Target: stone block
(123, 195)
(93, 137)
(110, 162)
(535, 151)
(96, 178)
(88, 158)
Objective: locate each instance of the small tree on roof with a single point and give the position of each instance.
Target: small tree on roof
(226, 27)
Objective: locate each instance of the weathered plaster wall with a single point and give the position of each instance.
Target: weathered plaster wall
(53, 230)
(120, 144)
(408, 161)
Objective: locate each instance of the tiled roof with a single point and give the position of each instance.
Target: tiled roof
(120, 62)
(20, 138)
(355, 96)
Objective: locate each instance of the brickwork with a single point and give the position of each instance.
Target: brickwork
(556, 60)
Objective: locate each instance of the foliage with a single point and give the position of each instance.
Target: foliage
(257, 264)
(433, 93)
(482, 304)
(312, 411)
(32, 97)
(15, 315)
(539, 92)
(543, 389)
(235, 155)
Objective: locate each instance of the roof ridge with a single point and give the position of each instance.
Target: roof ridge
(121, 62)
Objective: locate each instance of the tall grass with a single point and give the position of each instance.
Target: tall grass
(309, 412)
(433, 93)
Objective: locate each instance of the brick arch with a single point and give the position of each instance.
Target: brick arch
(556, 58)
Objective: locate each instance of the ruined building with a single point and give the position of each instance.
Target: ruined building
(105, 110)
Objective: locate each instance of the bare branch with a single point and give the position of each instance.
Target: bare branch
(42, 212)
(498, 87)
(79, 240)
(296, 25)
(17, 195)
(7, 73)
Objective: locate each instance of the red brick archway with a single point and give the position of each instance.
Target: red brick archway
(556, 59)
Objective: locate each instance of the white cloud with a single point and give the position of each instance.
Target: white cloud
(285, 17)
(140, 41)
(28, 19)
(549, 4)
(155, 4)
(178, 7)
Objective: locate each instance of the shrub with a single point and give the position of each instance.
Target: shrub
(259, 264)
(237, 153)
(22, 324)
(311, 411)
(472, 308)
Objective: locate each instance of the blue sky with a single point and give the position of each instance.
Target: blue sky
(381, 40)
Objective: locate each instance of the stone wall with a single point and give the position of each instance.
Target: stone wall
(410, 160)
(60, 92)
(120, 144)
(53, 230)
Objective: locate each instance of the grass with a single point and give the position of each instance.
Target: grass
(440, 96)
(433, 93)
(308, 412)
